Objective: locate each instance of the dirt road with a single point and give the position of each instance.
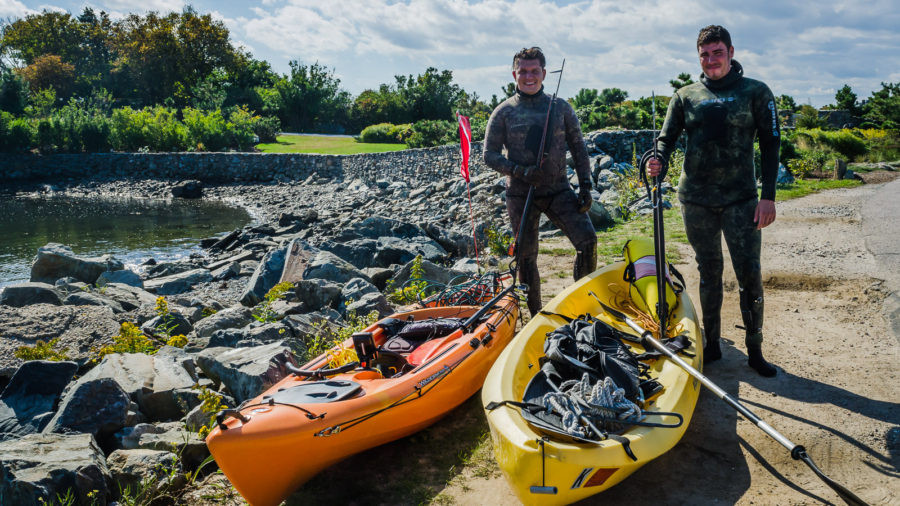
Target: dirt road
(837, 390)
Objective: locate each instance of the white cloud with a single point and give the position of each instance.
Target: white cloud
(14, 9)
(129, 6)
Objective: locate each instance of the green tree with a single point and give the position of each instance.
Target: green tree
(431, 95)
(612, 96)
(312, 99)
(50, 72)
(509, 90)
(786, 103)
(846, 99)
(585, 98)
(13, 92)
(883, 107)
(683, 79)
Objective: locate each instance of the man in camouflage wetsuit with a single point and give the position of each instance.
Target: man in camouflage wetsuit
(517, 125)
(721, 115)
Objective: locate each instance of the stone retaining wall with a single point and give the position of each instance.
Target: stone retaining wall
(412, 165)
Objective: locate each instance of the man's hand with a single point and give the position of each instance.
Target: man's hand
(764, 214)
(527, 173)
(654, 167)
(584, 199)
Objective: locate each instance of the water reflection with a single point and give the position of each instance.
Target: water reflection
(131, 229)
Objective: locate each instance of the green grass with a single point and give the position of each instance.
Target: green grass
(611, 241)
(324, 144)
(803, 187)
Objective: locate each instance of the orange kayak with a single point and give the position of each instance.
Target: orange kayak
(318, 416)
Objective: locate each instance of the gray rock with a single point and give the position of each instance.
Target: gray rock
(92, 299)
(28, 401)
(150, 380)
(26, 294)
(174, 324)
(129, 468)
(456, 243)
(41, 467)
(379, 275)
(246, 372)
(317, 293)
(124, 276)
(168, 269)
(173, 436)
(328, 266)
(358, 252)
(254, 334)
(129, 437)
(129, 297)
(265, 277)
(54, 261)
(177, 283)
(227, 271)
(196, 418)
(784, 175)
(433, 272)
(232, 317)
(190, 189)
(600, 217)
(355, 289)
(394, 250)
(370, 302)
(97, 407)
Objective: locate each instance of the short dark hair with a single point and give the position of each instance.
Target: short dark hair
(529, 53)
(713, 33)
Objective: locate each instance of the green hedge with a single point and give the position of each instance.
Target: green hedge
(72, 129)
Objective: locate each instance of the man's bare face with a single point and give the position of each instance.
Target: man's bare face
(715, 59)
(529, 76)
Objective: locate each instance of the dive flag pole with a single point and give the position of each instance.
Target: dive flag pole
(465, 145)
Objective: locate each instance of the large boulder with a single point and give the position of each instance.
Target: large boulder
(124, 276)
(600, 216)
(78, 328)
(328, 266)
(265, 277)
(358, 252)
(255, 334)
(177, 283)
(129, 297)
(40, 468)
(433, 272)
(171, 436)
(54, 261)
(150, 380)
(396, 250)
(28, 401)
(456, 243)
(131, 468)
(93, 299)
(26, 294)
(369, 302)
(315, 294)
(246, 372)
(172, 324)
(97, 407)
(232, 317)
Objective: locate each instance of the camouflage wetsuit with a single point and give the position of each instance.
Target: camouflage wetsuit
(517, 125)
(718, 184)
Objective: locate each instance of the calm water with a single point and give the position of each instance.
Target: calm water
(133, 230)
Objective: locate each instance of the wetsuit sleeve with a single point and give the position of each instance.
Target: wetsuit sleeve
(494, 139)
(671, 130)
(765, 115)
(575, 142)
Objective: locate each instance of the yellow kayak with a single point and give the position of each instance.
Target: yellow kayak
(546, 468)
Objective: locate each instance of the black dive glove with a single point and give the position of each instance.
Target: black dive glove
(527, 173)
(584, 198)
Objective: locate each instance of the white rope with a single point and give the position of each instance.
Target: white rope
(604, 401)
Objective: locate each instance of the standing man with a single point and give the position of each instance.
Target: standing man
(518, 126)
(722, 114)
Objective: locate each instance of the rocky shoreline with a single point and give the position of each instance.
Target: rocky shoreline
(359, 238)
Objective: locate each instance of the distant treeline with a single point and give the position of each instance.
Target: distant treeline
(176, 81)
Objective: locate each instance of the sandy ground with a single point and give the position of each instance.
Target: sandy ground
(836, 392)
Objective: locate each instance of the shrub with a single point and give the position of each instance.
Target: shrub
(206, 131)
(266, 128)
(498, 242)
(844, 142)
(42, 351)
(385, 133)
(428, 133)
(263, 312)
(154, 128)
(129, 340)
(410, 290)
(240, 129)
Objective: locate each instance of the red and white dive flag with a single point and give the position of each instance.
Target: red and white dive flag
(465, 143)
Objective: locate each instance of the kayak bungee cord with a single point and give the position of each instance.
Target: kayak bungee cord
(798, 452)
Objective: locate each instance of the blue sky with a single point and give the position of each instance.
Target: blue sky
(804, 49)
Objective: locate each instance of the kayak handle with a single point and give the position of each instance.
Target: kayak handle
(320, 373)
(220, 417)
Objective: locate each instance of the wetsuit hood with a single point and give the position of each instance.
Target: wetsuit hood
(734, 75)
